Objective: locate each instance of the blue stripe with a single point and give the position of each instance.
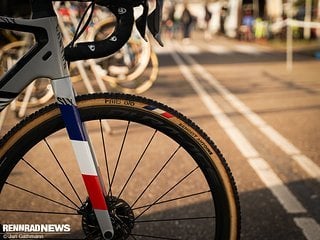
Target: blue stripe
(149, 107)
(71, 117)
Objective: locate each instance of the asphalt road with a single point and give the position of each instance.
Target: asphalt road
(264, 119)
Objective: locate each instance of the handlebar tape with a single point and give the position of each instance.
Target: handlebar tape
(97, 49)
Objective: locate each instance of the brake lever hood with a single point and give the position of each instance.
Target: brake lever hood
(154, 21)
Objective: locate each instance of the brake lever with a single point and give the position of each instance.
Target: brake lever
(123, 12)
(154, 22)
(141, 22)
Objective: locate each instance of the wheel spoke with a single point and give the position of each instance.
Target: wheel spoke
(91, 234)
(138, 162)
(105, 156)
(119, 155)
(175, 219)
(48, 181)
(40, 212)
(173, 199)
(62, 169)
(169, 190)
(39, 195)
(155, 177)
(156, 237)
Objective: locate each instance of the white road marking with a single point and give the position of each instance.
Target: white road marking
(260, 166)
(213, 48)
(243, 145)
(310, 227)
(191, 49)
(246, 49)
(284, 144)
(275, 184)
(219, 49)
(160, 50)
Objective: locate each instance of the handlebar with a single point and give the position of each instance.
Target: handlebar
(123, 11)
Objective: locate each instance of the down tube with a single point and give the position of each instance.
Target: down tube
(83, 152)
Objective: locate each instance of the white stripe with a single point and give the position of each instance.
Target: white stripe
(308, 165)
(274, 183)
(260, 166)
(84, 157)
(242, 143)
(244, 146)
(309, 227)
(160, 50)
(219, 49)
(287, 147)
(157, 110)
(284, 144)
(192, 49)
(282, 193)
(247, 49)
(277, 138)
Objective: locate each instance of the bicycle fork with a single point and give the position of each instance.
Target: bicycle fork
(84, 154)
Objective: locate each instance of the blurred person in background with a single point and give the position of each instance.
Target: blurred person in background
(207, 18)
(170, 22)
(186, 23)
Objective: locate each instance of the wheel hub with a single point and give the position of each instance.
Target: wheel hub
(121, 215)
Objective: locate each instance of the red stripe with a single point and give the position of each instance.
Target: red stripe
(167, 115)
(95, 192)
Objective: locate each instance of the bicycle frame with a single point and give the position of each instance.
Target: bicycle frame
(46, 59)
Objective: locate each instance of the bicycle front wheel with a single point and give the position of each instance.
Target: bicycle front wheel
(165, 179)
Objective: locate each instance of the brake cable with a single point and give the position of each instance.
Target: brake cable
(79, 31)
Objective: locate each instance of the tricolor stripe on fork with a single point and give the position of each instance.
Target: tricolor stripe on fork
(84, 156)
